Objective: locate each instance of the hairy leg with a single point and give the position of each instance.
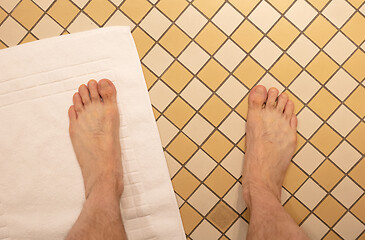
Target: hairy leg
(94, 132)
(270, 145)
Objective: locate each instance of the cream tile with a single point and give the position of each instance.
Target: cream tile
(80, 3)
(44, 4)
(81, 23)
(116, 2)
(303, 50)
(341, 84)
(205, 231)
(46, 28)
(201, 164)
(173, 165)
(362, 9)
(308, 122)
(338, 11)
(119, 19)
(301, 14)
(339, 48)
(345, 156)
(166, 130)
(266, 53)
(11, 32)
(285, 195)
(234, 127)
(349, 227)
(157, 60)
(314, 228)
(193, 57)
(308, 158)
(234, 198)
(198, 129)
(9, 5)
(232, 91)
(230, 55)
(196, 93)
(268, 81)
(191, 21)
(233, 162)
(304, 86)
(310, 194)
(227, 19)
(155, 23)
(238, 230)
(203, 199)
(161, 95)
(264, 16)
(343, 120)
(347, 192)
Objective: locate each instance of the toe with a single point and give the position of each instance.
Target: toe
(271, 97)
(72, 113)
(93, 89)
(85, 95)
(289, 109)
(294, 122)
(107, 91)
(78, 102)
(282, 100)
(257, 97)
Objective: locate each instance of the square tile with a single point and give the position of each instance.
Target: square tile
(199, 159)
(179, 112)
(281, 5)
(338, 11)
(136, 9)
(319, 4)
(301, 14)
(351, 28)
(349, 227)
(215, 110)
(341, 84)
(358, 209)
(222, 216)
(167, 130)
(157, 59)
(150, 77)
(249, 72)
(347, 192)
(227, 19)
(63, 12)
(310, 194)
(304, 86)
(355, 99)
(264, 16)
(324, 103)
(198, 129)
(268, 81)
(354, 65)
(8, 5)
(343, 120)
(285, 69)
(182, 148)
(217, 146)
(210, 38)
(330, 210)
(283, 33)
(308, 158)
(193, 57)
(213, 74)
(203, 199)
(238, 229)
(356, 137)
(172, 165)
(208, 7)
(79, 3)
(245, 6)
(177, 76)
(339, 48)
(247, 35)
(155, 23)
(322, 67)
(27, 13)
(232, 91)
(220, 181)
(81, 23)
(93, 10)
(190, 218)
(11, 32)
(161, 95)
(325, 139)
(296, 210)
(357, 173)
(303, 50)
(172, 9)
(184, 183)
(120, 19)
(233, 162)
(174, 40)
(143, 41)
(314, 228)
(196, 93)
(230, 55)
(345, 156)
(234, 127)
(191, 21)
(266, 53)
(294, 178)
(46, 28)
(308, 122)
(327, 175)
(320, 31)
(205, 230)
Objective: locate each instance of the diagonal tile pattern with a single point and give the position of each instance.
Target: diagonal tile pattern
(200, 58)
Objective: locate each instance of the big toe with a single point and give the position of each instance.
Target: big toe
(257, 97)
(107, 90)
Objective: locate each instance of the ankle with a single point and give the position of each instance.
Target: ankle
(258, 194)
(106, 185)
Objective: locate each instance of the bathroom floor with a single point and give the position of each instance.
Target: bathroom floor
(200, 58)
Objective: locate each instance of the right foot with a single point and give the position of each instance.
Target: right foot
(94, 132)
(270, 142)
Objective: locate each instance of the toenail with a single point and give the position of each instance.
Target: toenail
(259, 90)
(104, 83)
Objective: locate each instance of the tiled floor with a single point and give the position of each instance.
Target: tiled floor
(200, 59)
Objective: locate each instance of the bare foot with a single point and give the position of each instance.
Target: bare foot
(270, 142)
(94, 132)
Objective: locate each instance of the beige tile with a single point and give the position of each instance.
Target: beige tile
(27, 13)
(357, 137)
(217, 146)
(203, 200)
(320, 31)
(29, 38)
(198, 129)
(266, 53)
(314, 228)
(247, 35)
(196, 93)
(143, 41)
(182, 148)
(304, 86)
(190, 218)
(193, 57)
(215, 110)
(208, 7)
(93, 9)
(283, 33)
(177, 76)
(349, 227)
(234, 198)
(296, 210)
(285, 69)
(238, 229)
(294, 178)
(161, 95)
(345, 156)
(242, 107)
(191, 21)
(8, 5)
(303, 50)
(338, 11)
(63, 11)
(219, 181)
(357, 173)
(156, 113)
(234, 127)
(301, 14)
(136, 9)
(222, 216)
(230, 55)
(339, 48)
(330, 210)
(354, 102)
(264, 16)
(227, 18)
(308, 122)
(157, 59)
(172, 165)
(11, 32)
(355, 65)
(306, 153)
(205, 230)
(327, 175)
(166, 130)
(343, 120)
(184, 183)
(119, 19)
(341, 84)
(326, 139)
(174, 40)
(232, 91)
(149, 77)
(201, 164)
(179, 112)
(172, 8)
(81, 23)
(155, 23)
(249, 72)
(310, 194)
(213, 74)
(322, 67)
(46, 28)
(324, 103)
(210, 38)
(347, 192)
